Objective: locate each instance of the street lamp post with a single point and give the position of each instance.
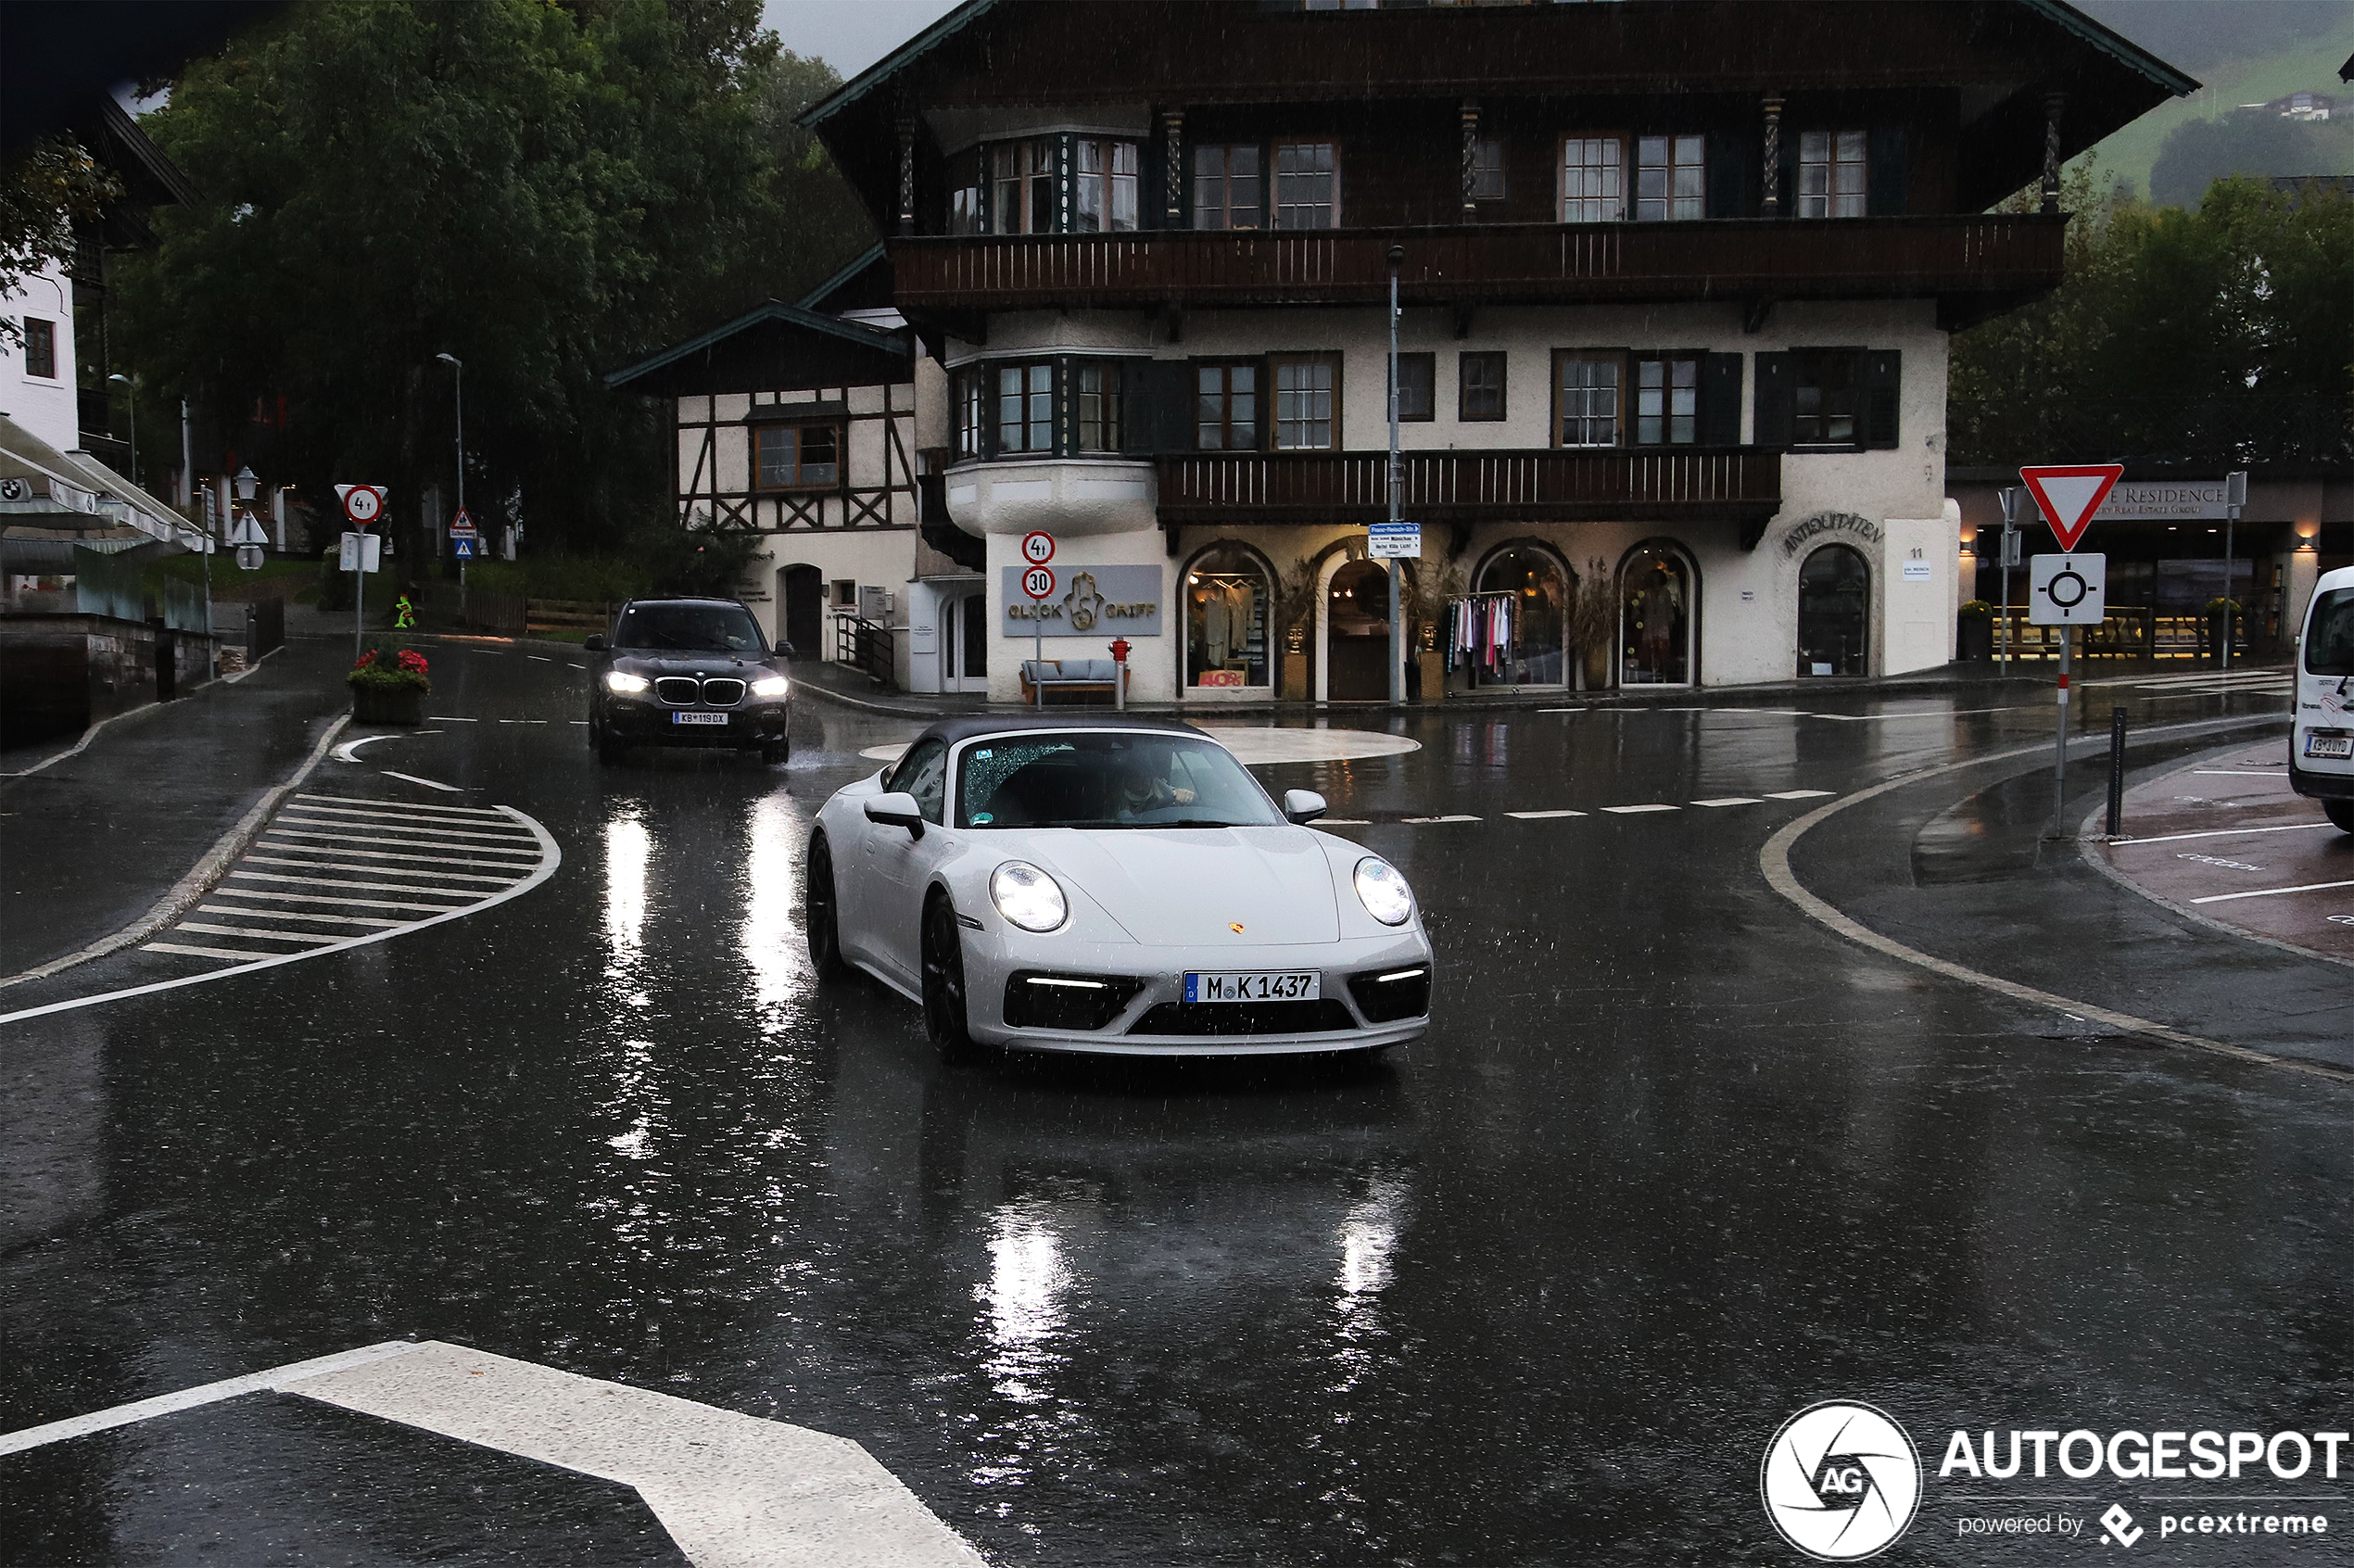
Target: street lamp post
(459, 365)
(2014, 500)
(131, 395)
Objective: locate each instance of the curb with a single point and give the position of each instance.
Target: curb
(201, 875)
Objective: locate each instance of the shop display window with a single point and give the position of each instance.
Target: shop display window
(1655, 619)
(1227, 611)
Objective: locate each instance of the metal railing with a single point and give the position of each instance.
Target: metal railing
(869, 648)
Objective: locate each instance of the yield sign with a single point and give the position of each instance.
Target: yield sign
(362, 503)
(2070, 495)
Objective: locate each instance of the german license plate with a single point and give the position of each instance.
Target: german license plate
(1230, 986)
(698, 718)
(2329, 746)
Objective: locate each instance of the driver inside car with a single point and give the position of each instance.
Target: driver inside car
(1139, 789)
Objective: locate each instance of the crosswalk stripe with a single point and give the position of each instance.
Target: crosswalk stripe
(411, 844)
(369, 921)
(312, 937)
(269, 842)
(379, 870)
(408, 821)
(342, 902)
(490, 812)
(229, 953)
(461, 894)
(456, 833)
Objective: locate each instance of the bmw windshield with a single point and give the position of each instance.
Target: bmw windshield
(690, 628)
(1108, 780)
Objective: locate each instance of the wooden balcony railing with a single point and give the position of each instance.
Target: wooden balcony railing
(1739, 483)
(1964, 257)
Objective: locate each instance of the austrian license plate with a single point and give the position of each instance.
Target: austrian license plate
(1228, 986)
(2329, 746)
(698, 718)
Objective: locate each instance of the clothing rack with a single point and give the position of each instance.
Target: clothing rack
(1480, 629)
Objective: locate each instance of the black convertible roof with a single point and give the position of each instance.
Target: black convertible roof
(966, 728)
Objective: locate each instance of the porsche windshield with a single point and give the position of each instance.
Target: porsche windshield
(1112, 780)
(692, 629)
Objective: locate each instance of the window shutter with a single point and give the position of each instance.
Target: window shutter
(1789, 168)
(1153, 407)
(988, 374)
(1720, 400)
(1732, 174)
(1886, 176)
(1773, 421)
(1881, 379)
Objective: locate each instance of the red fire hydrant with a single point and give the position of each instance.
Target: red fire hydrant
(1119, 673)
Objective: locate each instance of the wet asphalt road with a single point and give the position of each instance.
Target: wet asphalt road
(1672, 1163)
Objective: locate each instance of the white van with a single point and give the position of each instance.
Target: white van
(2321, 747)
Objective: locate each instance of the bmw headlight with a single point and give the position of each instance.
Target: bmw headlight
(1383, 892)
(1028, 897)
(622, 680)
(770, 686)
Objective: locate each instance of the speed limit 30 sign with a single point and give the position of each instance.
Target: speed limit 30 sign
(1039, 582)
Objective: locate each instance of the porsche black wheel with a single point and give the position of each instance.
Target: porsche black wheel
(944, 1016)
(817, 905)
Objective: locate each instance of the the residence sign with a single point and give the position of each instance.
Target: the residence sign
(2169, 501)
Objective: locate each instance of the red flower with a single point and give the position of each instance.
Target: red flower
(412, 661)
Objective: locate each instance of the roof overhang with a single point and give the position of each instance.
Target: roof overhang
(774, 347)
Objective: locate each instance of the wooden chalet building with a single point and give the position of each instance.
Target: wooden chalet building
(1676, 278)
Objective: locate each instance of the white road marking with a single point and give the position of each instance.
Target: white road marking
(539, 658)
(428, 783)
(349, 751)
(1561, 710)
(1343, 822)
(523, 721)
(1428, 819)
(1629, 811)
(375, 821)
(295, 914)
(733, 1490)
(253, 931)
(346, 850)
(384, 838)
(353, 887)
(236, 956)
(381, 870)
(2241, 773)
(1797, 794)
(581, 721)
(1542, 815)
(1729, 801)
(339, 903)
(2271, 892)
(409, 808)
(452, 718)
(2219, 833)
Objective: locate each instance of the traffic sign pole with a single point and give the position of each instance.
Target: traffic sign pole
(1038, 582)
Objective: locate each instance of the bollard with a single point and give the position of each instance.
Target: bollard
(2115, 771)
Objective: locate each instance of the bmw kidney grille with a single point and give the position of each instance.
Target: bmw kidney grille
(685, 692)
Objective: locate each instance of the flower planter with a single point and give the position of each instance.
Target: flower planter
(375, 704)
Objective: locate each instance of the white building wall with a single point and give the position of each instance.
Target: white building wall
(44, 405)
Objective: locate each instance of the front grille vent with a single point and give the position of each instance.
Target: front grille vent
(1245, 1018)
(676, 690)
(722, 692)
(1388, 995)
(1045, 1001)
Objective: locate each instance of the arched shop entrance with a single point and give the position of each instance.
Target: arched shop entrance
(801, 589)
(1357, 633)
(1655, 600)
(1834, 608)
(1538, 588)
(1229, 604)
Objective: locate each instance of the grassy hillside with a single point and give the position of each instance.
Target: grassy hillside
(2201, 40)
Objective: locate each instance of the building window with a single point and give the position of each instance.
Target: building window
(1667, 402)
(1228, 602)
(1306, 404)
(40, 347)
(972, 410)
(969, 193)
(1226, 408)
(1106, 198)
(1670, 178)
(1655, 620)
(1487, 170)
(1307, 185)
(1540, 596)
(1226, 187)
(1099, 407)
(1823, 397)
(1417, 387)
(798, 457)
(1480, 386)
(1830, 174)
(1593, 173)
(1025, 409)
(1587, 399)
(1024, 176)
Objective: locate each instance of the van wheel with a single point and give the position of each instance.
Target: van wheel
(944, 1016)
(2341, 813)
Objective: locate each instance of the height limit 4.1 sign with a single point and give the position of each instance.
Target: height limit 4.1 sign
(2067, 590)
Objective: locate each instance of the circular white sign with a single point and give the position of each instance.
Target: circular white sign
(1039, 582)
(2068, 589)
(1038, 546)
(1841, 1480)
(363, 505)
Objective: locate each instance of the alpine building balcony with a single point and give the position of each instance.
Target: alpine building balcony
(1973, 265)
(1740, 485)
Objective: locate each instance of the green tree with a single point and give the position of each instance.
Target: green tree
(43, 194)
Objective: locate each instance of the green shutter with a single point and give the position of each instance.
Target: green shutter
(1883, 380)
(1773, 420)
(1720, 400)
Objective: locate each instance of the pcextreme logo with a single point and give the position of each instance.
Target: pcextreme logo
(1841, 1480)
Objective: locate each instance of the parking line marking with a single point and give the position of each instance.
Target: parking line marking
(428, 783)
(1798, 794)
(2219, 833)
(254, 931)
(1541, 815)
(2269, 892)
(1629, 811)
(1729, 801)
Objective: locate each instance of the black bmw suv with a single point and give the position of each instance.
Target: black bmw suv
(688, 672)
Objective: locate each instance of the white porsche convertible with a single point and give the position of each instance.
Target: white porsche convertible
(1091, 883)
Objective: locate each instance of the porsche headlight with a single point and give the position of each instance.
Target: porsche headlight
(770, 686)
(1028, 897)
(622, 680)
(1383, 892)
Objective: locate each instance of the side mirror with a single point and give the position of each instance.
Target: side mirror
(897, 810)
(596, 643)
(1303, 805)
(784, 648)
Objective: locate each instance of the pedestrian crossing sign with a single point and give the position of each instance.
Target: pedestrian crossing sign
(463, 547)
